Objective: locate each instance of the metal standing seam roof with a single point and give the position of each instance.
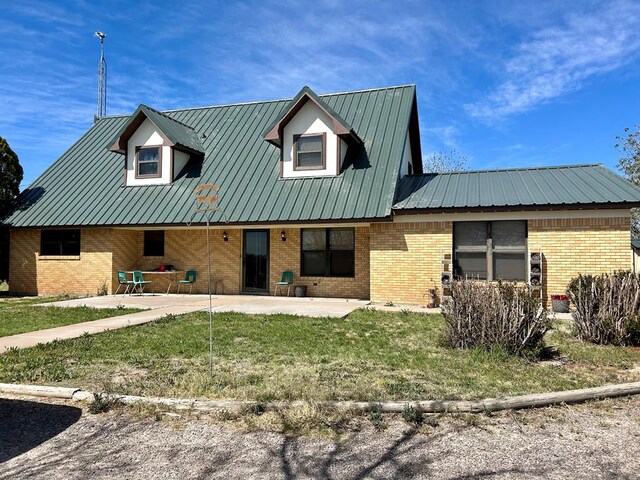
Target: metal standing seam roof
(177, 132)
(584, 185)
(84, 187)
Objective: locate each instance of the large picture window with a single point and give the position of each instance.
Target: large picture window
(154, 243)
(490, 250)
(328, 252)
(60, 242)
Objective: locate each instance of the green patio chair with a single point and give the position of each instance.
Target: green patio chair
(123, 280)
(138, 282)
(190, 278)
(287, 279)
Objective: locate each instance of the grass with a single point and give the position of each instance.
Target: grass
(4, 287)
(369, 355)
(20, 315)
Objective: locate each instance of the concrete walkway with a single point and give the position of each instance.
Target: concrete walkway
(160, 305)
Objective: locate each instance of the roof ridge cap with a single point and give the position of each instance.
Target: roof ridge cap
(515, 169)
(288, 99)
(169, 117)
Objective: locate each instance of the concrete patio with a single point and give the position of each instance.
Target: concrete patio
(157, 306)
(253, 304)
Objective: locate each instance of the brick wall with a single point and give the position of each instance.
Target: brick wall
(285, 256)
(405, 260)
(580, 245)
(185, 249)
(397, 262)
(78, 275)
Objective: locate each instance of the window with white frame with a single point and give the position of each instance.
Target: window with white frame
(490, 250)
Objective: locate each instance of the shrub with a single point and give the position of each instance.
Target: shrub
(607, 308)
(500, 316)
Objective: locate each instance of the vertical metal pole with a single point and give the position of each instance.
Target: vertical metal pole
(210, 302)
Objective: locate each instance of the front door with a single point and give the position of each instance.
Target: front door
(255, 261)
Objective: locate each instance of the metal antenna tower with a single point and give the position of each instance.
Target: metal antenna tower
(102, 79)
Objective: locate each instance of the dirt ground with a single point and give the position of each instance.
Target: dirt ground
(58, 440)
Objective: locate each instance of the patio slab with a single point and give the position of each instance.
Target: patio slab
(252, 304)
(158, 306)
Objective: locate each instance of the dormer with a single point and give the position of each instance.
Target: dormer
(312, 137)
(156, 147)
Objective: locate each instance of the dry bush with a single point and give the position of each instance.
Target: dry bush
(489, 316)
(606, 308)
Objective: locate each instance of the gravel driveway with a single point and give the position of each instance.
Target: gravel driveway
(60, 441)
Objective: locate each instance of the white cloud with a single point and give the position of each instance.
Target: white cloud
(447, 135)
(558, 60)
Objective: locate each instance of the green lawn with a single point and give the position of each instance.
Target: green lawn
(368, 355)
(20, 315)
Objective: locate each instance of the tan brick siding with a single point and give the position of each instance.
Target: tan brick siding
(580, 245)
(405, 260)
(185, 249)
(397, 262)
(82, 275)
(285, 256)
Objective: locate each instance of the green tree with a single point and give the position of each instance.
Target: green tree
(10, 177)
(629, 163)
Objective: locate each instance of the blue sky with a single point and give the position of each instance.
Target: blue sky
(507, 84)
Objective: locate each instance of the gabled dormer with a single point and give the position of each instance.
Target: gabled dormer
(156, 147)
(312, 137)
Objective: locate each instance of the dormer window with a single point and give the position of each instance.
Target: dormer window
(156, 147)
(309, 151)
(148, 162)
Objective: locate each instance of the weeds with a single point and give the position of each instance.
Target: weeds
(102, 403)
(412, 415)
(376, 417)
(103, 289)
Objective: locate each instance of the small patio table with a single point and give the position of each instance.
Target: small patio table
(171, 276)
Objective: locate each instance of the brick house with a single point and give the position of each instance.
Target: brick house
(329, 187)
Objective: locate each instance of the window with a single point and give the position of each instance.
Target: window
(60, 242)
(309, 152)
(148, 160)
(154, 243)
(328, 252)
(490, 250)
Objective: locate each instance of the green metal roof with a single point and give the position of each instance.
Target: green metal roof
(635, 243)
(177, 133)
(85, 185)
(341, 126)
(571, 185)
